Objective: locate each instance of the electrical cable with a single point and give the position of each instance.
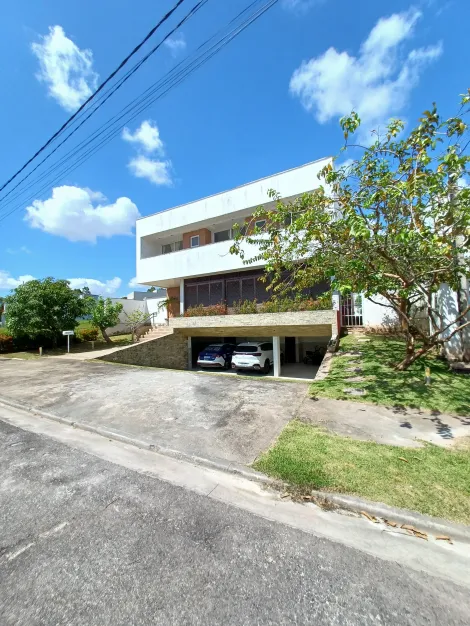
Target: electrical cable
(170, 81)
(94, 94)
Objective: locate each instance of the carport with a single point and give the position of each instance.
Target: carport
(290, 333)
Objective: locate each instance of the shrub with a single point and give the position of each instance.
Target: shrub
(6, 343)
(88, 334)
(284, 305)
(245, 306)
(205, 311)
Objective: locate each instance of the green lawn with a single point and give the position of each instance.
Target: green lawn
(448, 392)
(434, 481)
(85, 346)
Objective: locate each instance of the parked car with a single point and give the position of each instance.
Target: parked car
(216, 355)
(253, 355)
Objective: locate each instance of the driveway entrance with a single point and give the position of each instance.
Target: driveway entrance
(219, 417)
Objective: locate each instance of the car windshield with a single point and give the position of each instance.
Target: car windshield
(213, 349)
(247, 348)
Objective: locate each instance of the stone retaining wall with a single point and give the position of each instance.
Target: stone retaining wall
(169, 351)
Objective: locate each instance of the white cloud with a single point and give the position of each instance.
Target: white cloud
(82, 215)
(7, 281)
(176, 44)
(67, 70)
(133, 283)
(147, 137)
(97, 287)
(20, 250)
(157, 172)
(376, 83)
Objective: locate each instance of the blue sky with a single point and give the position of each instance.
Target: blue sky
(269, 101)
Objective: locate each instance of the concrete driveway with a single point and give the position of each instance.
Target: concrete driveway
(215, 417)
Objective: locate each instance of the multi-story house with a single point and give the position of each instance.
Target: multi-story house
(186, 250)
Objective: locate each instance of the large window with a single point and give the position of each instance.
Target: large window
(194, 241)
(204, 294)
(223, 235)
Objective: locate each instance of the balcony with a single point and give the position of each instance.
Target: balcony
(215, 258)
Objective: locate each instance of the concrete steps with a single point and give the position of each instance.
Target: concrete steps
(155, 333)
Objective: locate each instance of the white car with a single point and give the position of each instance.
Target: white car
(253, 355)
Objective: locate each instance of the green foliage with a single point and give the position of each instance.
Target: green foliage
(88, 334)
(283, 305)
(43, 308)
(104, 314)
(206, 311)
(244, 307)
(395, 222)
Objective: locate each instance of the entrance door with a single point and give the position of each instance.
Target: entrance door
(290, 356)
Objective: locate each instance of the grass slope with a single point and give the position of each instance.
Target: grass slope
(448, 392)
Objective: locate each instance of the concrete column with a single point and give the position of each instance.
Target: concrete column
(190, 354)
(181, 296)
(277, 356)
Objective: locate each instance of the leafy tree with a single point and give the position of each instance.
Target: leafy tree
(135, 319)
(151, 290)
(43, 308)
(395, 222)
(104, 314)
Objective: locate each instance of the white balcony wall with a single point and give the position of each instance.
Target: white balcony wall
(227, 204)
(211, 259)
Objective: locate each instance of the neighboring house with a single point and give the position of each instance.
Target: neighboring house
(146, 295)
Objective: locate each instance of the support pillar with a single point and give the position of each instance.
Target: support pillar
(181, 296)
(277, 356)
(190, 354)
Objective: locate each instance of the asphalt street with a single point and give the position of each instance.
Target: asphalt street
(87, 542)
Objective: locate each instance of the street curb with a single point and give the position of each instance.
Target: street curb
(211, 463)
(434, 525)
(355, 504)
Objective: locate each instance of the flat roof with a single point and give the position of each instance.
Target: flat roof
(219, 193)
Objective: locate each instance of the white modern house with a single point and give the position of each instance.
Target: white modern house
(186, 250)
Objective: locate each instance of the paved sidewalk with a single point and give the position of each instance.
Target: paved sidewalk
(387, 425)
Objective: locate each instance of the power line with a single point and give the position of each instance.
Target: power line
(141, 103)
(94, 94)
(107, 95)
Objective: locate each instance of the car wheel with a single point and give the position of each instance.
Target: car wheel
(267, 366)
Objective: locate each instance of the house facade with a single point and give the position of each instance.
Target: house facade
(186, 250)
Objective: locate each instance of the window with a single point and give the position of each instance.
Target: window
(222, 235)
(194, 241)
(266, 346)
(260, 224)
(172, 247)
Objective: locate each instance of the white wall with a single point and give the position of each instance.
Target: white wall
(458, 347)
(376, 315)
(289, 183)
(153, 306)
(167, 269)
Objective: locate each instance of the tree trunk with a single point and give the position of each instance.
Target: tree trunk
(105, 335)
(411, 357)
